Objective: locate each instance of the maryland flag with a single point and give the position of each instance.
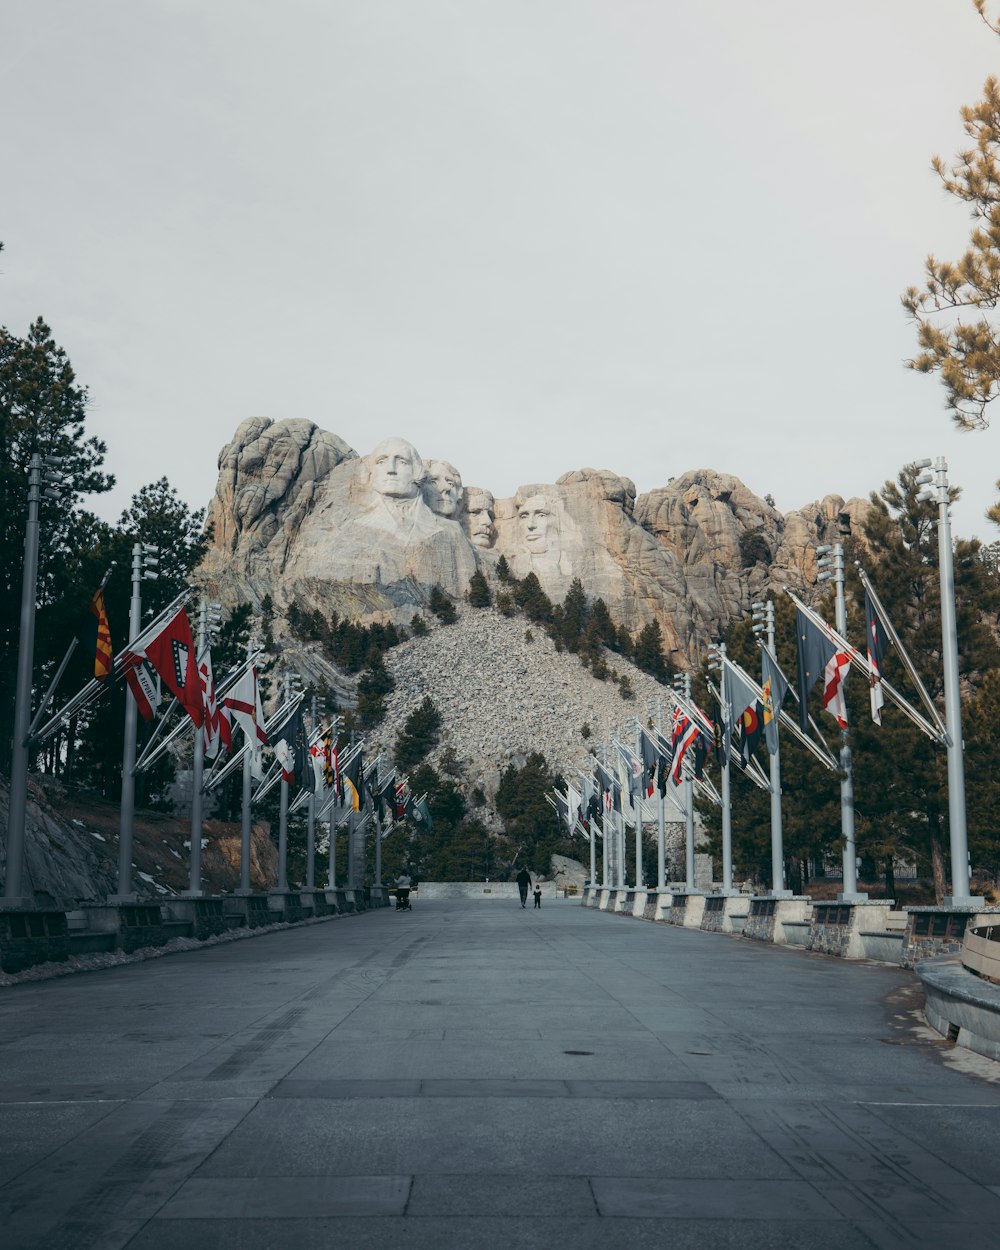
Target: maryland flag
(95, 635)
(329, 775)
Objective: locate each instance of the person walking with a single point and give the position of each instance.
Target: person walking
(403, 884)
(538, 894)
(523, 885)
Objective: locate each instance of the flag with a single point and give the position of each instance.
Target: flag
(95, 635)
(329, 773)
(740, 695)
(291, 749)
(317, 758)
(721, 736)
(819, 657)
(144, 691)
(562, 807)
(700, 755)
(242, 703)
(774, 688)
(751, 730)
(684, 738)
(352, 774)
(218, 731)
(573, 806)
(171, 653)
(422, 814)
(650, 755)
(878, 644)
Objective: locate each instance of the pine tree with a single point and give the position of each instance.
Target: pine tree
(43, 409)
(419, 735)
(574, 616)
(648, 652)
(442, 606)
(479, 595)
(965, 351)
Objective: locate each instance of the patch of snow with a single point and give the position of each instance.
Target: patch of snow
(153, 882)
(98, 836)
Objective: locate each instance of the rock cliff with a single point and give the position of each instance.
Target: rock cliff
(299, 516)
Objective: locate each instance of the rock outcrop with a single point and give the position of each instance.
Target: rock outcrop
(299, 516)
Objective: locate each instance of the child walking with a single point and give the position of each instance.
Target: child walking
(538, 894)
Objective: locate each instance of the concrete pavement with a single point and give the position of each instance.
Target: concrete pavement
(473, 1075)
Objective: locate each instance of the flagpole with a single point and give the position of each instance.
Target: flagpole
(682, 686)
(957, 827)
(832, 564)
(194, 889)
(763, 616)
(718, 651)
(144, 561)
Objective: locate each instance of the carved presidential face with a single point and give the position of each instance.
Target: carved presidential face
(479, 506)
(538, 525)
(395, 469)
(442, 487)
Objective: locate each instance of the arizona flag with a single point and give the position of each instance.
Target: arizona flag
(171, 653)
(95, 635)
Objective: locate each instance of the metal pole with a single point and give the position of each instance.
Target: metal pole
(17, 811)
(727, 809)
(311, 818)
(850, 892)
(777, 836)
(957, 827)
(661, 816)
(245, 827)
(245, 806)
(688, 805)
(127, 817)
(194, 889)
(283, 815)
(378, 848)
(593, 853)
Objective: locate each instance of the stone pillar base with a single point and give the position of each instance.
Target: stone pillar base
(836, 928)
(767, 914)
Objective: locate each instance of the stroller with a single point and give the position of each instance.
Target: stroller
(403, 898)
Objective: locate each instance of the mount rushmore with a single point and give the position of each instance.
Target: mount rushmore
(302, 517)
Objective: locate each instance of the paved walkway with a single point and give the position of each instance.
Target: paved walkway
(474, 1075)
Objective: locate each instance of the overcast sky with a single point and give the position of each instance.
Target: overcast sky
(527, 235)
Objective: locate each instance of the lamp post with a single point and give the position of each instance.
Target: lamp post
(717, 660)
(682, 684)
(935, 487)
(247, 797)
(44, 479)
(831, 563)
(661, 826)
(144, 563)
(208, 619)
(317, 708)
(763, 623)
(291, 680)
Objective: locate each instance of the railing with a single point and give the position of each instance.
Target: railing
(981, 952)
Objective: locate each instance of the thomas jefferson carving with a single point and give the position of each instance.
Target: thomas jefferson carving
(442, 487)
